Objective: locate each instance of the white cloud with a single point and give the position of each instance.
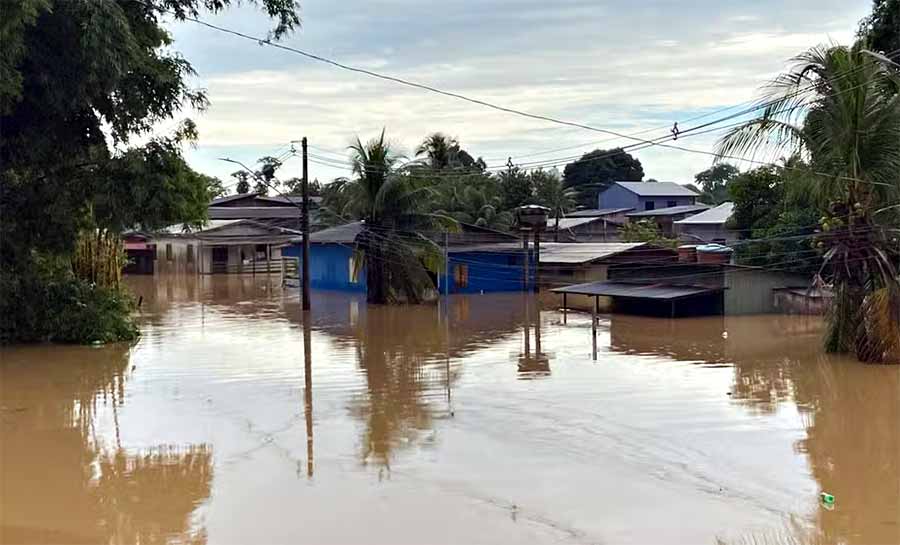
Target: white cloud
(621, 67)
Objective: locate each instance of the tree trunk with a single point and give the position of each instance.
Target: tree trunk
(375, 272)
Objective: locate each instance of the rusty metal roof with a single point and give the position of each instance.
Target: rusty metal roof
(663, 292)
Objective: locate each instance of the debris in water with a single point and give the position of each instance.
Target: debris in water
(827, 499)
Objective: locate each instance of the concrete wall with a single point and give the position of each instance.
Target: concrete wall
(751, 291)
(173, 255)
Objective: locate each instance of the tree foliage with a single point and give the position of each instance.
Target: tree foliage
(713, 182)
(75, 77)
(881, 29)
(597, 170)
(847, 127)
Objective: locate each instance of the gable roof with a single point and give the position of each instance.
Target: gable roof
(657, 189)
(715, 216)
(342, 234)
(596, 212)
(291, 200)
(670, 211)
(571, 223)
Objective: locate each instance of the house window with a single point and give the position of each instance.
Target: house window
(649, 205)
(261, 253)
(353, 270)
(670, 204)
(461, 275)
(190, 253)
(169, 256)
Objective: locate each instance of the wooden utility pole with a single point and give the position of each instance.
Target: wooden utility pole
(305, 227)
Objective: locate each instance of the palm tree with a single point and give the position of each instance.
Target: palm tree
(552, 193)
(394, 209)
(440, 150)
(838, 108)
(473, 200)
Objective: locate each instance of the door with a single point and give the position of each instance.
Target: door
(219, 259)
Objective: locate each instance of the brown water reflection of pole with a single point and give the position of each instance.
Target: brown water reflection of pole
(307, 392)
(537, 330)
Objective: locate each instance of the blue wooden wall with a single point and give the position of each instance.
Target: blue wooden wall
(329, 269)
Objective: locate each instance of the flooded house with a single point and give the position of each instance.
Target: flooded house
(707, 226)
(243, 235)
(666, 218)
(592, 225)
(481, 260)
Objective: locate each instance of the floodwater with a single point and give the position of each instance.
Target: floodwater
(436, 425)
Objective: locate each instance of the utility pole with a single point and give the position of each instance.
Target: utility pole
(305, 228)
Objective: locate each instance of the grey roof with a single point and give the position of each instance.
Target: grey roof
(251, 212)
(663, 292)
(559, 252)
(342, 234)
(596, 212)
(657, 189)
(570, 223)
(283, 199)
(717, 215)
(670, 211)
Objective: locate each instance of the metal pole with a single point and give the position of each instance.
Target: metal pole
(525, 263)
(537, 261)
(594, 329)
(307, 392)
(305, 227)
(564, 308)
(447, 266)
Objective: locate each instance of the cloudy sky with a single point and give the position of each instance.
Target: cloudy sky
(621, 65)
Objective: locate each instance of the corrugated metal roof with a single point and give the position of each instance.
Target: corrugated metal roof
(252, 212)
(670, 211)
(717, 215)
(569, 223)
(663, 292)
(559, 252)
(596, 212)
(182, 229)
(657, 189)
(342, 234)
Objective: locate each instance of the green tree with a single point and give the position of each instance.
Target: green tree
(713, 182)
(243, 181)
(515, 188)
(645, 231)
(597, 170)
(882, 28)
(473, 199)
(395, 211)
(444, 152)
(72, 76)
(848, 126)
(550, 191)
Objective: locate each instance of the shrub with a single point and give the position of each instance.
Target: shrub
(43, 304)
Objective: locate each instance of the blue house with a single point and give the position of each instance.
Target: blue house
(641, 196)
(480, 260)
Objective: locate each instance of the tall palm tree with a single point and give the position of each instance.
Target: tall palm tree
(552, 193)
(394, 208)
(440, 150)
(839, 109)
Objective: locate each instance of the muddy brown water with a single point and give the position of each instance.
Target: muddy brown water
(434, 425)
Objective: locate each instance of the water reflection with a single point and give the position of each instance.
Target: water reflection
(851, 411)
(741, 419)
(61, 482)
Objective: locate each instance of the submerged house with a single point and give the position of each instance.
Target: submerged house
(665, 218)
(707, 226)
(480, 260)
(221, 247)
(243, 235)
(595, 225)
